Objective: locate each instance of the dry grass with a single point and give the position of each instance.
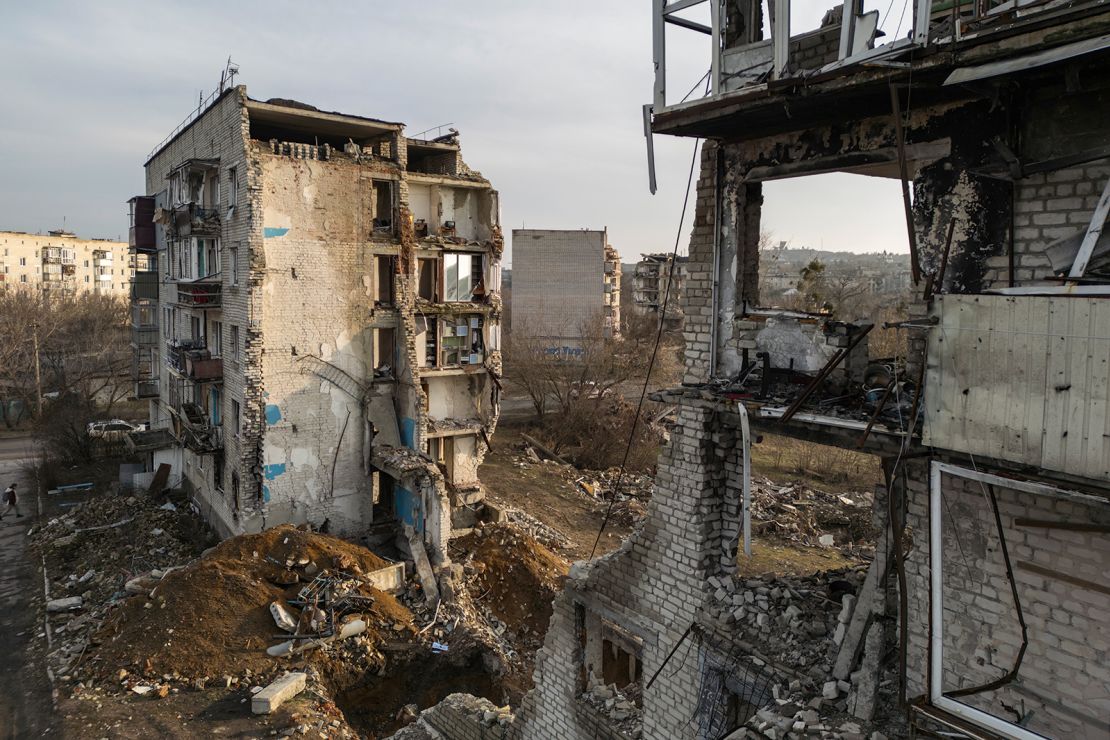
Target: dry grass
(769, 556)
(820, 466)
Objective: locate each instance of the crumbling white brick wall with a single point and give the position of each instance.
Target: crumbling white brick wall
(1047, 206)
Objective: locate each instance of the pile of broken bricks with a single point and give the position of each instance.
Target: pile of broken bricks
(617, 705)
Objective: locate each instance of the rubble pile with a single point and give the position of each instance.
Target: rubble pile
(455, 710)
(809, 516)
(215, 616)
(795, 621)
(619, 706)
(105, 550)
(549, 537)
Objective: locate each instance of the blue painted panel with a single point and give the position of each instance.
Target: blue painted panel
(265, 494)
(273, 414)
(273, 471)
(408, 432)
(270, 232)
(409, 508)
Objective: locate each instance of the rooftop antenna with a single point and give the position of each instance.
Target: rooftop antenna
(227, 76)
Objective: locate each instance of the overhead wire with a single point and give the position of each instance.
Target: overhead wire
(654, 354)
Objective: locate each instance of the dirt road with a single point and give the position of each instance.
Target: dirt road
(26, 710)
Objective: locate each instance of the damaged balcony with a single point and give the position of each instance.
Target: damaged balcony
(140, 233)
(196, 430)
(202, 293)
(194, 361)
(808, 376)
(190, 219)
(757, 56)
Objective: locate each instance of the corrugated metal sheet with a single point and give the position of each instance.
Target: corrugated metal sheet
(1022, 378)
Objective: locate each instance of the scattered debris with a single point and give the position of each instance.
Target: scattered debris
(278, 692)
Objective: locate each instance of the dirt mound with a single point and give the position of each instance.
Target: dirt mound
(213, 617)
(514, 576)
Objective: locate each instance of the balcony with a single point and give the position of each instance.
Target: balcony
(193, 360)
(140, 235)
(190, 219)
(145, 286)
(196, 430)
(146, 388)
(199, 294)
(144, 336)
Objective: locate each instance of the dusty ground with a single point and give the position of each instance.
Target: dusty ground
(543, 491)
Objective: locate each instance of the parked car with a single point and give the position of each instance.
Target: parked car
(111, 430)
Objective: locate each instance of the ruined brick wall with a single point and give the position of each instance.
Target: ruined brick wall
(815, 49)
(1064, 678)
(652, 587)
(697, 299)
(1047, 206)
(318, 305)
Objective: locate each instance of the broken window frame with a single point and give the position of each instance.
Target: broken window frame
(936, 694)
(455, 288)
(384, 225)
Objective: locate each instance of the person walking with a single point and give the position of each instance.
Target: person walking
(10, 502)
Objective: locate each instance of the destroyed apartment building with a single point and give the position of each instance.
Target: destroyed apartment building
(565, 283)
(658, 283)
(985, 610)
(317, 321)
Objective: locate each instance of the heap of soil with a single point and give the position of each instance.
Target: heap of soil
(516, 577)
(212, 617)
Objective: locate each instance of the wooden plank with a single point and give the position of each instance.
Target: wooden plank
(1078, 348)
(1037, 359)
(1014, 444)
(1098, 393)
(1094, 230)
(977, 317)
(1056, 390)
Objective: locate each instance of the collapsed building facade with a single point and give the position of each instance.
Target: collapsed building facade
(658, 283)
(317, 326)
(564, 282)
(988, 589)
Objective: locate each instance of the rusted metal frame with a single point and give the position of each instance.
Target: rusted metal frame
(825, 372)
(670, 655)
(1071, 526)
(934, 283)
(1012, 673)
(875, 415)
(896, 109)
(1066, 578)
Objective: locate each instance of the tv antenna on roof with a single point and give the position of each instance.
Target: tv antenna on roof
(227, 77)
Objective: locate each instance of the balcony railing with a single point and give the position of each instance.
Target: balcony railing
(194, 361)
(197, 431)
(144, 336)
(199, 295)
(190, 219)
(146, 388)
(145, 286)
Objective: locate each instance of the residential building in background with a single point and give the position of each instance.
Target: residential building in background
(649, 287)
(564, 281)
(317, 320)
(61, 261)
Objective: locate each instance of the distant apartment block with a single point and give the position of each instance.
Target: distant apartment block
(649, 287)
(563, 282)
(317, 321)
(60, 261)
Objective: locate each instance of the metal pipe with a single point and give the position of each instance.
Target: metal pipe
(746, 472)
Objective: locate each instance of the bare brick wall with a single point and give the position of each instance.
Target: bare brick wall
(697, 298)
(1065, 675)
(1047, 206)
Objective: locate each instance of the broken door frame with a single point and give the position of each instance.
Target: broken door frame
(936, 591)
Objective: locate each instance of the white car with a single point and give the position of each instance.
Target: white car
(113, 430)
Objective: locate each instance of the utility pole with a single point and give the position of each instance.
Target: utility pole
(38, 368)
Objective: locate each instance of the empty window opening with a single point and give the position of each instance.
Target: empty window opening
(383, 487)
(385, 348)
(385, 270)
(429, 279)
(383, 206)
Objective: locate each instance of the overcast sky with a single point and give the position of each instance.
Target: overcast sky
(546, 95)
